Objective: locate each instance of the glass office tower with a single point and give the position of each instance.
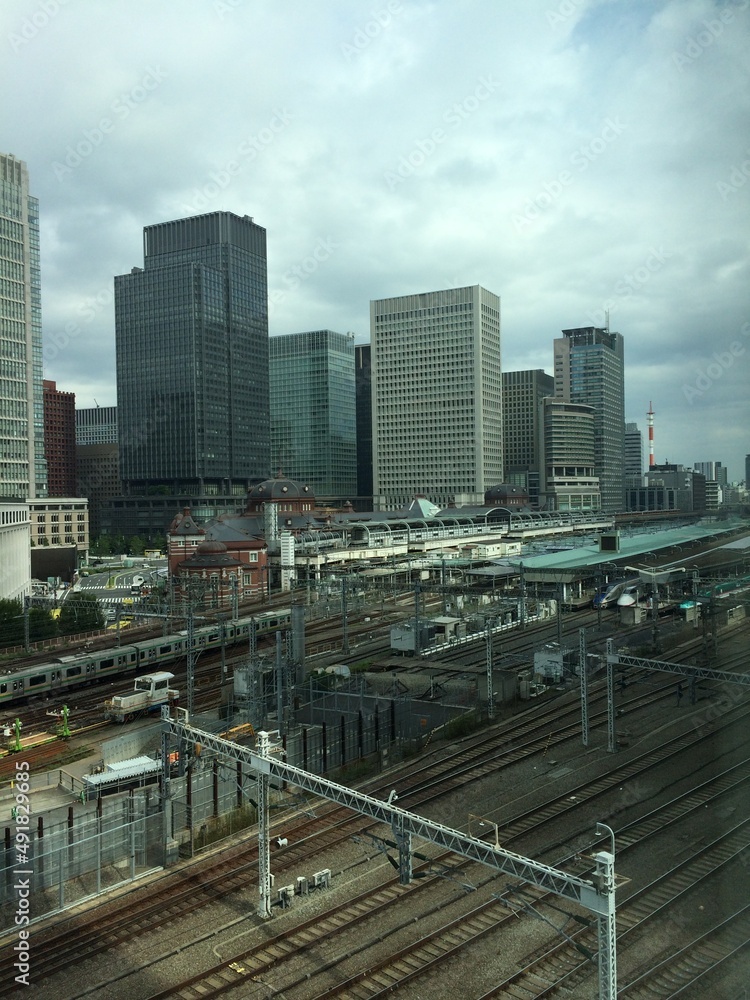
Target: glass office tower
(192, 358)
(589, 369)
(313, 420)
(23, 470)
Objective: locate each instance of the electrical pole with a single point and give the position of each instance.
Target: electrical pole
(344, 619)
(26, 627)
(190, 662)
(582, 664)
(490, 692)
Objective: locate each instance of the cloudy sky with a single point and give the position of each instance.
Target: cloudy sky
(573, 156)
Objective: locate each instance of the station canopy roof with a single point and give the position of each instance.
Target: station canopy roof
(665, 547)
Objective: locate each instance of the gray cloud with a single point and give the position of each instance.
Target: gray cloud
(603, 162)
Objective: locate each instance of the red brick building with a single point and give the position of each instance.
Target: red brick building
(200, 565)
(60, 440)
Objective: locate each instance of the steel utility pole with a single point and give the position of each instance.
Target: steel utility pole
(582, 665)
(344, 619)
(190, 662)
(490, 692)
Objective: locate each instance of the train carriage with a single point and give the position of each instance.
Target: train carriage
(69, 672)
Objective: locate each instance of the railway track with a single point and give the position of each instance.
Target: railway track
(237, 869)
(286, 960)
(705, 954)
(562, 967)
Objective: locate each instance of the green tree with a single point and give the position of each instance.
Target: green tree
(118, 544)
(101, 546)
(80, 613)
(11, 623)
(136, 545)
(41, 624)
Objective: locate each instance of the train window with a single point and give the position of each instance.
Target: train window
(3, 688)
(214, 637)
(18, 685)
(104, 664)
(90, 668)
(36, 681)
(72, 671)
(165, 649)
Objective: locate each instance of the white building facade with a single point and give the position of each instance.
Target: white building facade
(15, 551)
(436, 397)
(23, 470)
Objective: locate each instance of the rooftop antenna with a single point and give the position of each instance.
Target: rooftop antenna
(606, 320)
(97, 405)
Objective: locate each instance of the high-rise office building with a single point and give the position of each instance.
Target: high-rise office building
(589, 369)
(96, 425)
(363, 390)
(98, 479)
(313, 424)
(566, 444)
(59, 440)
(633, 456)
(437, 396)
(23, 471)
(713, 471)
(191, 332)
(523, 393)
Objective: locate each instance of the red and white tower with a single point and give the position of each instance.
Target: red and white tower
(650, 416)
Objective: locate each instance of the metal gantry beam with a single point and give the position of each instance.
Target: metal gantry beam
(686, 670)
(591, 894)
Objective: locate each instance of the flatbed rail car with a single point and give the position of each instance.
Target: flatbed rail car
(69, 672)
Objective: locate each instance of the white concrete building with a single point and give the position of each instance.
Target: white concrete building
(436, 397)
(15, 551)
(23, 470)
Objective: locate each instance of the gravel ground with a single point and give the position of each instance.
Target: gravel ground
(230, 925)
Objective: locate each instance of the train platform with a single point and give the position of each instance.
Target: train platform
(48, 790)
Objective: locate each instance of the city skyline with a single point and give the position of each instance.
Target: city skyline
(578, 159)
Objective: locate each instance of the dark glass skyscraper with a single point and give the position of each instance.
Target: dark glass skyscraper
(192, 357)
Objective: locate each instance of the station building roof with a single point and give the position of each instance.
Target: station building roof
(573, 563)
